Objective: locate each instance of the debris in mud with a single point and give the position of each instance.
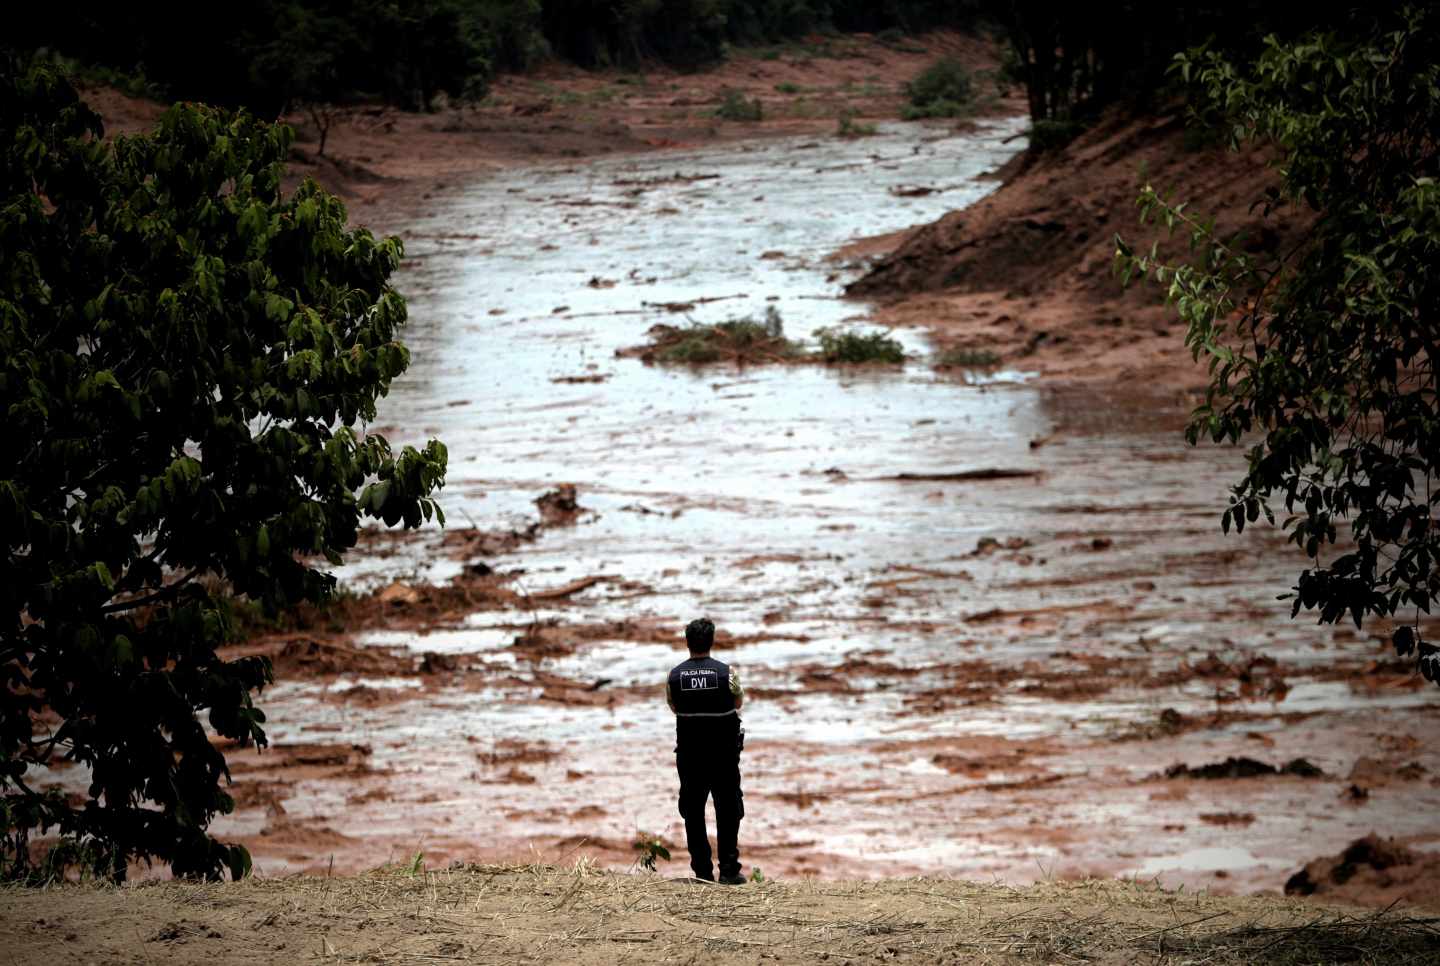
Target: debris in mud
(398, 595)
(1227, 818)
(512, 752)
(802, 799)
(914, 191)
(963, 476)
(1165, 725)
(316, 754)
(597, 282)
(576, 380)
(740, 341)
(1356, 795)
(688, 306)
(1256, 674)
(473, 542)
(1370, 870)
(644, 184)
(308, 656)
(573, 587)
(434, 663)
(985, 546)
(559, 506)
(1373, 772)
(1243, 767)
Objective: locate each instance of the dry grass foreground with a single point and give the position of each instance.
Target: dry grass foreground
(526, 914)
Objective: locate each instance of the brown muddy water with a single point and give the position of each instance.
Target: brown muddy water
(973, 677)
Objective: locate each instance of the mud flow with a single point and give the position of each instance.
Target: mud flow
(978, 618)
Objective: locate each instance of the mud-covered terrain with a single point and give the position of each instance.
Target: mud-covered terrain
(986, 618)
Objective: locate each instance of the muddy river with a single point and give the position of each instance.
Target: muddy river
(949, 674)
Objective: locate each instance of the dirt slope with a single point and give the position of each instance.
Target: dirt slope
(519, 914)
(1026, 273)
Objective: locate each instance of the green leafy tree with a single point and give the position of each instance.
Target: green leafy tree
(187, 361)
(1327, 354)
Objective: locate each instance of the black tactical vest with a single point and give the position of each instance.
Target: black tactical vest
(704, 706)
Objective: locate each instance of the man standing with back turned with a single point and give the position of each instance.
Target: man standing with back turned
(706, 697)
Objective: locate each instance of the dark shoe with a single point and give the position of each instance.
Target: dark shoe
(736, 879)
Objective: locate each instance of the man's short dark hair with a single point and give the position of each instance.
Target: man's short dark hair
(699, 636)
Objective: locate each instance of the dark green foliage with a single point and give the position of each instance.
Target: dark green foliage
(274, 54)
(1046, 135)
(1329, 353)
(1074, 59)
(853, 346)
(941, 90)
(185, 355)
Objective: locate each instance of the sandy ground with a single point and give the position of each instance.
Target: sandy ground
(541, 915)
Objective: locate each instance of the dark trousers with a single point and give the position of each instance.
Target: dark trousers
(711, 770)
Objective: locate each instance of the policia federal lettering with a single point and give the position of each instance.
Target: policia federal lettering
(706, 696)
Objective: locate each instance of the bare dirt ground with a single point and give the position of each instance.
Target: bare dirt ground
(517, 914)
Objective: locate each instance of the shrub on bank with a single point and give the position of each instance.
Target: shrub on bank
(846, 125)
(944, 89)
(735, 107)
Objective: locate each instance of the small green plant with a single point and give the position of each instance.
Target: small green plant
(847, 127)
(650, 848)
(962, 357)
(417, 864)
(855, 346)
(944, 89)
(735, 107)
(756, 875)
(785, 87)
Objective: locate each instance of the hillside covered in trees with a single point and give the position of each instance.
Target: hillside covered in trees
(273, 53)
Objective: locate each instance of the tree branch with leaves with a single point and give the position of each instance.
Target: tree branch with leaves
(1326, 356)
(188, 362)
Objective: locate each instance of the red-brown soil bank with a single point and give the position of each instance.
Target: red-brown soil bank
(1026, 273)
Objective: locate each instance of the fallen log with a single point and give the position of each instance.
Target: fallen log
(963, 476)
(574, 587)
